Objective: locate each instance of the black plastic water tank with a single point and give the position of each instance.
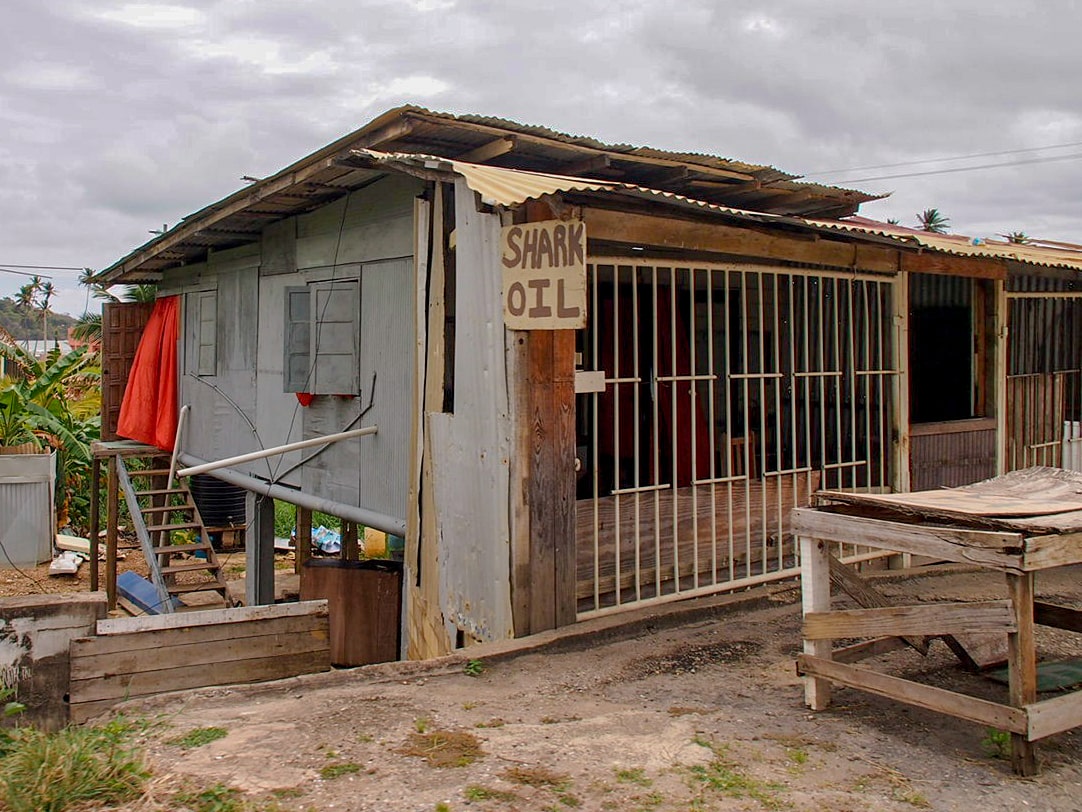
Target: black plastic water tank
(220, 503)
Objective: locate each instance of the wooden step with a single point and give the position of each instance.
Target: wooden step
(166, 508)
(201, 586)
(160, 491)
(189, 567)
(180, 548)
(154, 528)
(150, 472)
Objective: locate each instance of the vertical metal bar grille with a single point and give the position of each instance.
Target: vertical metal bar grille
(1044, 373)
(732, 392)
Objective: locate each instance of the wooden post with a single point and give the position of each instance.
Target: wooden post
(95, 507)
(259, 551)
(815, 597)
(350, 548)
(112, 510)
(551, 375)
(303, 550)
(1022, 667)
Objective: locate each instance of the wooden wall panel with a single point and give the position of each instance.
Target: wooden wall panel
(122, 327)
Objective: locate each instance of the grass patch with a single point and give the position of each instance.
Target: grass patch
(444, 748)
(331, 771)
(724, 777)
(475, 792)
(218, 798)
(634, 775)
(496, 722)
(198, 737)
(50, 772)
(537, 777)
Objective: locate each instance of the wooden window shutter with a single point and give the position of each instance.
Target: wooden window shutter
(335, 339)
(207, 338)
(297, 340)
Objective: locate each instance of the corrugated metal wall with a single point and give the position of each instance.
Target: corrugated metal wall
(27, 514)
(244, 407)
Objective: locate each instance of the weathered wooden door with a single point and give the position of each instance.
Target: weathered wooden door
(122, 326)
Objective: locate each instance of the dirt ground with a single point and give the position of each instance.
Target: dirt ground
(684, 709)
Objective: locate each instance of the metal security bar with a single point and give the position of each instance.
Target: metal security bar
(1044, 380)
(732, 393)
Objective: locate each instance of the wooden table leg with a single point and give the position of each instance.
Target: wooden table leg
(112, 510)
(815, 597)
(95, 521)
(1022, 667)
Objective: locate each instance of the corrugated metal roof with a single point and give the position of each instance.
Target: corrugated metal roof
(408, 135)
(1064, 255)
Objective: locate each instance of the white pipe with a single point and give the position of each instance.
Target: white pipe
(363, 516)
(278, 449)
(181, 420)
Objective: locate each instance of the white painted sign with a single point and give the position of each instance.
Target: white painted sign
(544, 275)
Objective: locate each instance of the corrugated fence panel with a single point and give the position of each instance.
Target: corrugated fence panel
(27, 519)
(959, 455)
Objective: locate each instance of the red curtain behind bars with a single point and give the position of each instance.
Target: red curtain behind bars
(149, 411)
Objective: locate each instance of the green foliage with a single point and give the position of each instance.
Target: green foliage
(218, 798)
(634, 775)
(474, 668)
(475, 792)
(25, 322)
(996, 743)
(51, 772)
(53, 402)
(285, 519)
(331, 771)
(933, 220)
(199, 736)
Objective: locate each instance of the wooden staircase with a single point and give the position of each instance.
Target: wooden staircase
(171, 534)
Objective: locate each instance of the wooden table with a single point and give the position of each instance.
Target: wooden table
(1017, 524)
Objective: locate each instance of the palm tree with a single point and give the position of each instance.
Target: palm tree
(1016, 237)
(45, 294)
(933, 220)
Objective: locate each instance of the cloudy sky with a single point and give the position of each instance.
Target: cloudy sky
(117, 117)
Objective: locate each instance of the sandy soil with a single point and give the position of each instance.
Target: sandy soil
(684, 710)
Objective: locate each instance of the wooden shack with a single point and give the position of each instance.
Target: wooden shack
(562, 433)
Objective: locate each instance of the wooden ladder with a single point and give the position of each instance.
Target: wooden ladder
(171, 534)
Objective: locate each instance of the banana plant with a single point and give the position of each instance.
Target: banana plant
(43, 403)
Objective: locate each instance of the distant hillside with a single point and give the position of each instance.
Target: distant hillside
(22, 324)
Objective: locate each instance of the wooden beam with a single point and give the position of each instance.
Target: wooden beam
(867, 596)
(595, 163)
(986, 548)
(981, 711)
(752, 241)
(1058, 617)
(1054, 715)
(385, 135)
(931, 619)
(95, 522)
(112, 513)
(486, 152)
(954, 265)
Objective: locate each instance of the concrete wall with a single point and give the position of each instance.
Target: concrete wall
(35, 635)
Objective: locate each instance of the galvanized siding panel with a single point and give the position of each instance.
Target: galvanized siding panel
(333, 474)
(373, 223)
(471, 448)
(952, 459)
(28, 524)
(278, 414)
(387, 354)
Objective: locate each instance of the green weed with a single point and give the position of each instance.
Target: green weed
(49, 772)
(634, 775)
(475, 792)
(198, 737)
(331, 771)
(474, 668)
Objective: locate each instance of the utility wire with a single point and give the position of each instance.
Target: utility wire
(43, 267)
(1006, 164)
(941, 160)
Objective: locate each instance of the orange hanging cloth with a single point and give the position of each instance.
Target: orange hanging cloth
(148, 413)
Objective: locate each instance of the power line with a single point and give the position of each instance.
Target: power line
(44, 267)
(1049, 159)
(942, 160)
(26, 273)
